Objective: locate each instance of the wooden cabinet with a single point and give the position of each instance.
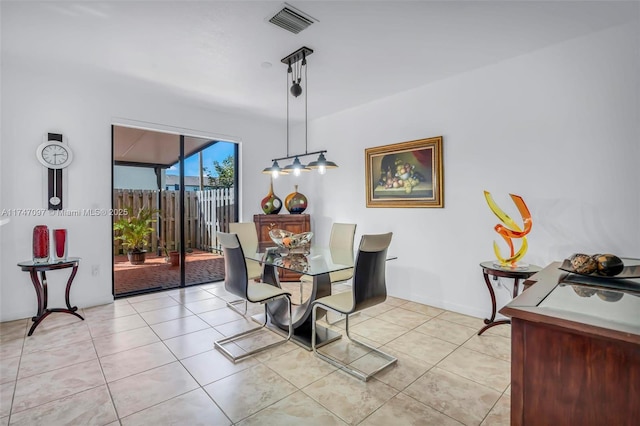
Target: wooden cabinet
(575, 345)
(296, 223)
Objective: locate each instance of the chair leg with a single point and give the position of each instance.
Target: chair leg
(219, 344)
(337, 363)
(233, 303)
(341, 317)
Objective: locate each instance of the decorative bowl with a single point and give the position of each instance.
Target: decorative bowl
(289, 240)
(295, 261)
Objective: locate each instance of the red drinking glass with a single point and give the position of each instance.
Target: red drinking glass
(60, 244)
(40, 244)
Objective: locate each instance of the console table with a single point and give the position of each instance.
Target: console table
(575, 345)
(40, 286)
(489, 268)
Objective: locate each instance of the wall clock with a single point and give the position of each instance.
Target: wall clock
(55, 156)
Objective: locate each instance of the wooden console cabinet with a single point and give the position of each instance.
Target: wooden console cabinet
(575, 346)
(296, 223)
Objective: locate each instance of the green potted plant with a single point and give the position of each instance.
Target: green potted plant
(134, 233)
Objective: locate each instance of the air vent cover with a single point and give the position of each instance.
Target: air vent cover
(291, 19)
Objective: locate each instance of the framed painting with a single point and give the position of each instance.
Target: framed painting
(407, 174)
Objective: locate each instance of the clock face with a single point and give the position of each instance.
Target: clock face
(54, 155)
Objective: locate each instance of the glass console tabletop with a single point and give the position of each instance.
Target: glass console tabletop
(604, 298)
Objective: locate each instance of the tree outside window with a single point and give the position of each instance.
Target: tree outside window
(223, 175)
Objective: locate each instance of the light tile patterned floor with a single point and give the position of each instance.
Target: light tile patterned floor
(149, 360)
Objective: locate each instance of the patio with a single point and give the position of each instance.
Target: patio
(156, 274)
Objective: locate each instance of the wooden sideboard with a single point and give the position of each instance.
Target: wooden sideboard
(575, 350)
(296, 223)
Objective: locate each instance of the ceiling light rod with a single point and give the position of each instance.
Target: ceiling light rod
(296, 56)
(299, 155)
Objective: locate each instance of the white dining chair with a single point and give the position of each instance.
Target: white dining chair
(341, 248)
(248, 236)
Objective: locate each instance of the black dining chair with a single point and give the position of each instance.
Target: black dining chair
(369, 289)
(236, 281)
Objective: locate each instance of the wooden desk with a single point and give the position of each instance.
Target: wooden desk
(575, 345)
(40, 286)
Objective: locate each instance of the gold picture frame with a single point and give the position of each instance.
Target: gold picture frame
(406, 174)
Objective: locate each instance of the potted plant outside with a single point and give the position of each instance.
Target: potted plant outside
(134, 233)
(171, 257)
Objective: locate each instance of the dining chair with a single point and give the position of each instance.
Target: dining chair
(248, 236)
(341, 248)
(369, 289)
(236, 281)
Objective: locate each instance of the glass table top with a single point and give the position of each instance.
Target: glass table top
(604, 298)
(314, 261)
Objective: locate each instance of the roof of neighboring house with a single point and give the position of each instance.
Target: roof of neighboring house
(188, 180)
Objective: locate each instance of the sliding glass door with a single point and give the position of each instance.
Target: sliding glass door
(190, 186)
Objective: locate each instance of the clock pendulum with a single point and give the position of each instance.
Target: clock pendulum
(55, 200)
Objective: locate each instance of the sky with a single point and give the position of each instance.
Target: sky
(216, 152)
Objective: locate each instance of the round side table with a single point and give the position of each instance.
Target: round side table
(490, 268)
(40, 286)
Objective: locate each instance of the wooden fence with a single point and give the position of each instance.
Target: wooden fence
(206, 212)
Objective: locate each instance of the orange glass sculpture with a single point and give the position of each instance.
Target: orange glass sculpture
(510, 230)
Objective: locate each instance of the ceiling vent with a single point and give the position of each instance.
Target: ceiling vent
(292, 19)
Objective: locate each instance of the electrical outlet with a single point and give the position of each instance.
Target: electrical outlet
(95, 270)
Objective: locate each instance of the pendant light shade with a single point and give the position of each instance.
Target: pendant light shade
(322, 164)
(275, 170)
(296, 167)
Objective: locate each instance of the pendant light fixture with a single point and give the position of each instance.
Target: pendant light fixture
(296, 66)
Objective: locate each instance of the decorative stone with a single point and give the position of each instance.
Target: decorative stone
(608, 264)
(610, 296)
(583, 264)
(584, 291)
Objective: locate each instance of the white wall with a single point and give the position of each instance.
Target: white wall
(82, 106)
(558, 127)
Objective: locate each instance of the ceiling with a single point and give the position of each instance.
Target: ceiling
(139, 146)
(224, 55)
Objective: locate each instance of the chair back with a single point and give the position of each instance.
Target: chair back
(247, 234)
(369, 282)
(341, 245)
(342, 235)
(235, 268)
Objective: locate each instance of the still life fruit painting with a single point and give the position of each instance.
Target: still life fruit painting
(407, 174)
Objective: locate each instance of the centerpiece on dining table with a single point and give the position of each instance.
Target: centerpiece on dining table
(292, 243)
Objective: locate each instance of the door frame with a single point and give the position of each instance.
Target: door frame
(181, 133)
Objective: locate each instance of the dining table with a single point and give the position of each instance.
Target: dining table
(316, 262)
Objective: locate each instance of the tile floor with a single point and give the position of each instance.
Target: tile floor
(149, 360)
